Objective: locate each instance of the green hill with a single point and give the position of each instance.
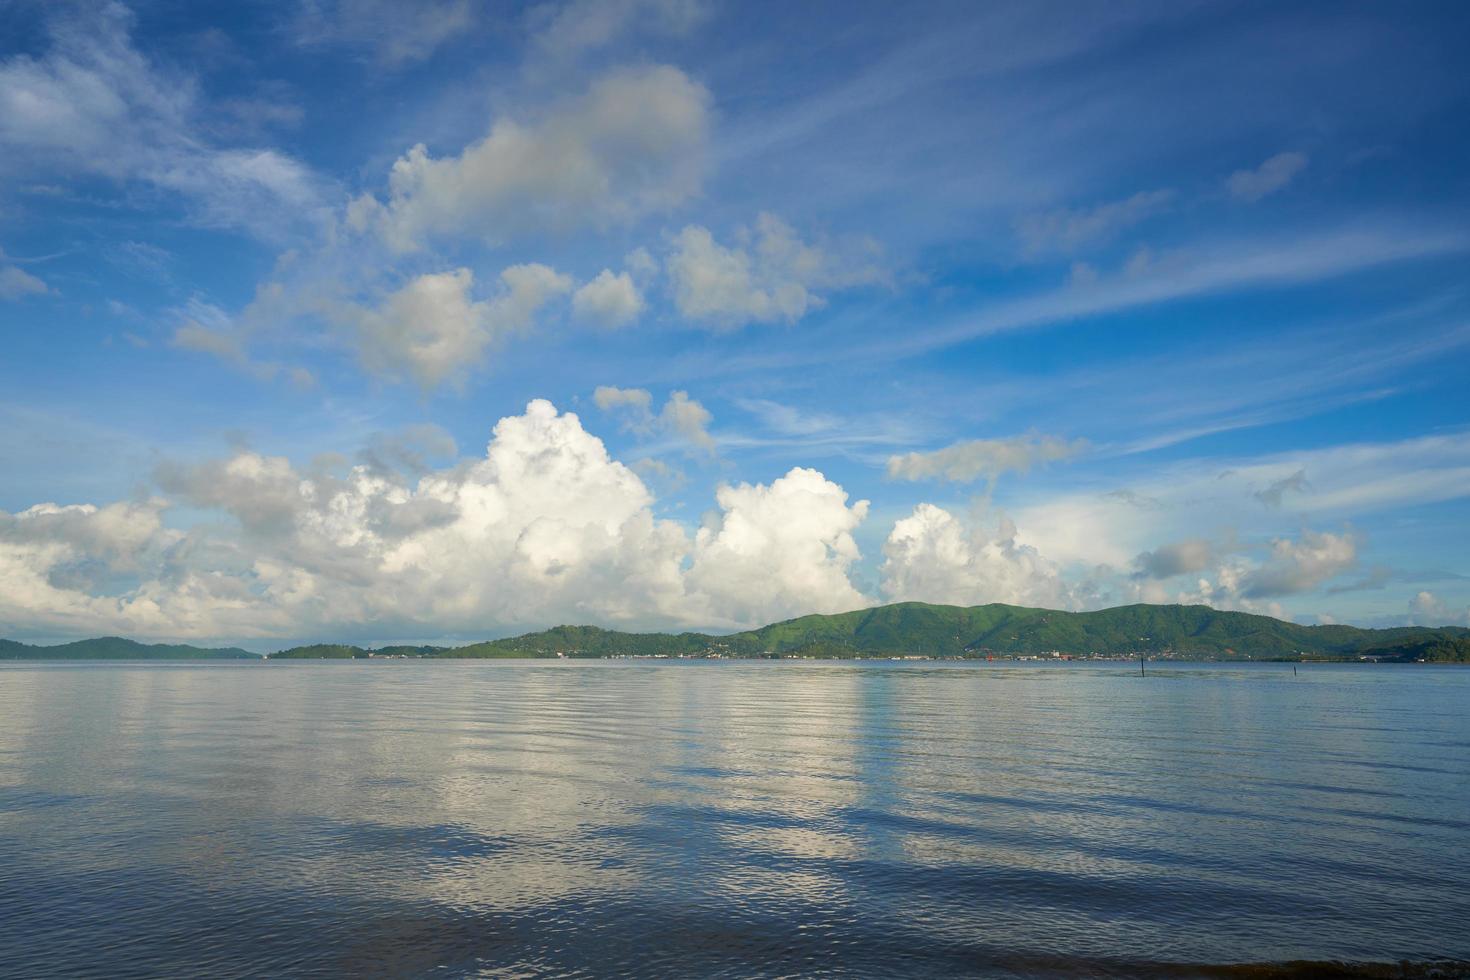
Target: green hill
(1188, 631)
(589, 641)
(117, 648)
(910, 628)
(342, 651)
(904, 628)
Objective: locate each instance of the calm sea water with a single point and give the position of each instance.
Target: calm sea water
(728, 819)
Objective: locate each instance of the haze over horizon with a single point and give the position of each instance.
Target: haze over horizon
(430, 323)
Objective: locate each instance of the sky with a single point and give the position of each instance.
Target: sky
(435, 322)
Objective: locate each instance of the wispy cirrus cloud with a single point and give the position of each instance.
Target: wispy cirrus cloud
(393, 34)
(1217, 269)
(1351, 482)
(16, 283)
(1067, 229)
(1271, 176)
(1220, 269)
(93, 105)
(561, 31)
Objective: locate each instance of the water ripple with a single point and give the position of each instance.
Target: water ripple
(737, 819)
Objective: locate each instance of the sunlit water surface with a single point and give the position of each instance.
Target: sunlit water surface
(734, 819)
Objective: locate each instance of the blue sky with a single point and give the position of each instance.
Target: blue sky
(786, 308)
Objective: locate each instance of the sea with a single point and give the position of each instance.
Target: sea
(627, 818)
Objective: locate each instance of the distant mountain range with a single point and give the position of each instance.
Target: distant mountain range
(117, 648)
(905, 628)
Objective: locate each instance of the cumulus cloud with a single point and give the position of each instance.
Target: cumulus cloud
(688, 418)
(769, 274)
(264, 493)
(16, 283)
(1239, 581)
(633, 143)
(608, 300)
(637, 401)
(779, 551)
(1220, 588)
(58, 563)
(982, 459)
(1178, 558)
(1428, 609)
(681, 417)
(1270, 177)
(1301, 565)
(431, 330)
(1066, 230)
(544, 528)
(92, 105)
(932, 556)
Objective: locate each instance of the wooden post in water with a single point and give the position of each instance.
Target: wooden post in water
(1141, 671)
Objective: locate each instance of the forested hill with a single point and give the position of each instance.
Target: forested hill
(905, 628)
(1153, 629)
(117, 648)
(920, 628)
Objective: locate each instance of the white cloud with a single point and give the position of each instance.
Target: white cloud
(1177, 558)
(16, 283)
(197, 337)
(1241, 265)
(1221, 588)
(641, 265)
(55, 560)
(637, 401)
(682, 417)
(1428, 609)
(396, 33)
(1240, 582)
(544, 528)
(241, 187)
(1349, 482)
(566, 30)
(431, 330)
(1067, 229)
(982, 459)
(931, 556)
(779, 551)
(93, 105)
(769, 274)
(689, 419)
(207, 329)
(1270, 177)
(608, 300)
(632, 144)
(1301, 565)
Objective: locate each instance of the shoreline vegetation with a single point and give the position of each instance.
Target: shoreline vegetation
(905, 630)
